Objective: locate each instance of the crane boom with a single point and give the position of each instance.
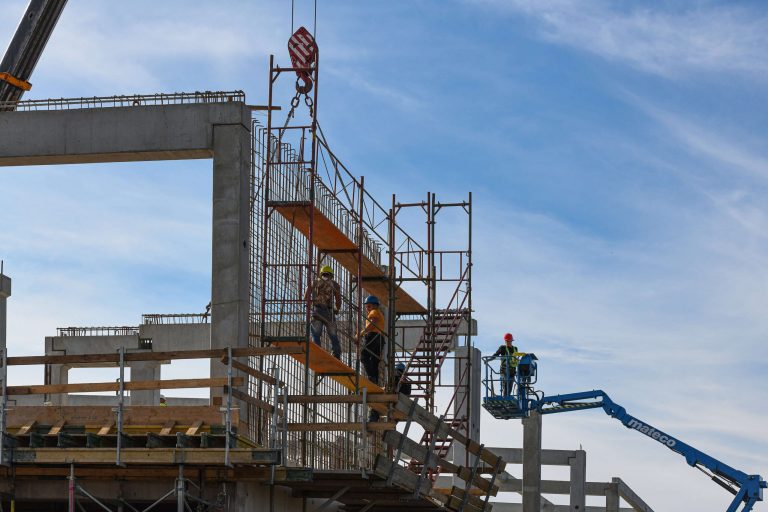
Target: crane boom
(25, 49)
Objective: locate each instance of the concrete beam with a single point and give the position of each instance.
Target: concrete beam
(630, 497)
(548, 457)
(117, 134)
(517, 507)
(508, 483)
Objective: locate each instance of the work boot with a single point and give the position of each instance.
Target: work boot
(337, 355)
(373, 416)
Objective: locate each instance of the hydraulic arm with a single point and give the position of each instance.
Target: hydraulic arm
(518, 400)
(747, 489)
(25, 49)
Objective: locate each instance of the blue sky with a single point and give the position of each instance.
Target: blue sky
(616, 155)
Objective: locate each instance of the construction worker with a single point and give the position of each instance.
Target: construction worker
(163, 403)
(326, 302)
(508, 366)
(402, 384)
(373, 344)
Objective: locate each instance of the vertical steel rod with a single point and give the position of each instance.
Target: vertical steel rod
(3, 404)
(120, 404)
(228, 413)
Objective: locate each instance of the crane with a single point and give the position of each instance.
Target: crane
(520, 399)
(26, 47)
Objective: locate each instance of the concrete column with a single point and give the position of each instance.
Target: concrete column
(5, 292)
(231, 234)
(145, 370)
(612, 497)
(532, 463)
(578, 465)
(59, 375)
(467, 405)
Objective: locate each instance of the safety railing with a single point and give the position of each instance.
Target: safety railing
(175, 319)
(64, 332)
(135, 100)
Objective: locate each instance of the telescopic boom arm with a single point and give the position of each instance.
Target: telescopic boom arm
(748, 489)
(26, 48)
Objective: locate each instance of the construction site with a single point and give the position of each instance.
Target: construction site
(289, 423)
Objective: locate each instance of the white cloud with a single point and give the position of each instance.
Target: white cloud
(670, 43)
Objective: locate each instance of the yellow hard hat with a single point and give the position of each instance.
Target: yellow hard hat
(326, 270)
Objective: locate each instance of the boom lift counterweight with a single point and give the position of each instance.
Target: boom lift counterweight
(519, 402)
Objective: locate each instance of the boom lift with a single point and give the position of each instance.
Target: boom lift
(519, 399)
(26, 48)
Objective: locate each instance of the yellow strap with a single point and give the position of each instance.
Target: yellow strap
(16, 82)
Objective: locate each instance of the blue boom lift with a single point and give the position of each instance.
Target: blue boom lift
(517, 398)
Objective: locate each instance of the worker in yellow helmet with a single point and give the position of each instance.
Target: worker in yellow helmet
(325, 294)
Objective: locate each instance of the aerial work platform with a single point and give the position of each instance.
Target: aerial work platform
(330, 239)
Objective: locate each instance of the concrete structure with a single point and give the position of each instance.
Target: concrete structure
(217, 130)
(5, 292)
(341, 456)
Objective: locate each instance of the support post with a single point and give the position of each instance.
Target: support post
(578, 465)
(5, 292)
(612, 497)
(180, 490)
(231, 235)
(71, 488)
(532, 463)
(3, 402)
(120, 404)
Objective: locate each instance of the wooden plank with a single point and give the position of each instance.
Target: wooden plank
(26, 428)
(327, 237)
(88, 387)
(316, 427)
(472, 504)
(144, 456)
(192, 431)
(245, 397)
(428, 421)
(56, 428)
(104, 430)
(167, 428)
(94, 418)
(323, 362)
(253, 372)
(423, 455)
(148, 356)
(401, 477)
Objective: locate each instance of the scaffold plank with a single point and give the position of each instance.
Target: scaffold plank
(327, 237)
(323, 363)
(423, 455)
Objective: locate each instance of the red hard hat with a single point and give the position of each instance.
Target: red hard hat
(509, 337)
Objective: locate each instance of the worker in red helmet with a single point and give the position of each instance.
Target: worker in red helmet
(508, 365)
